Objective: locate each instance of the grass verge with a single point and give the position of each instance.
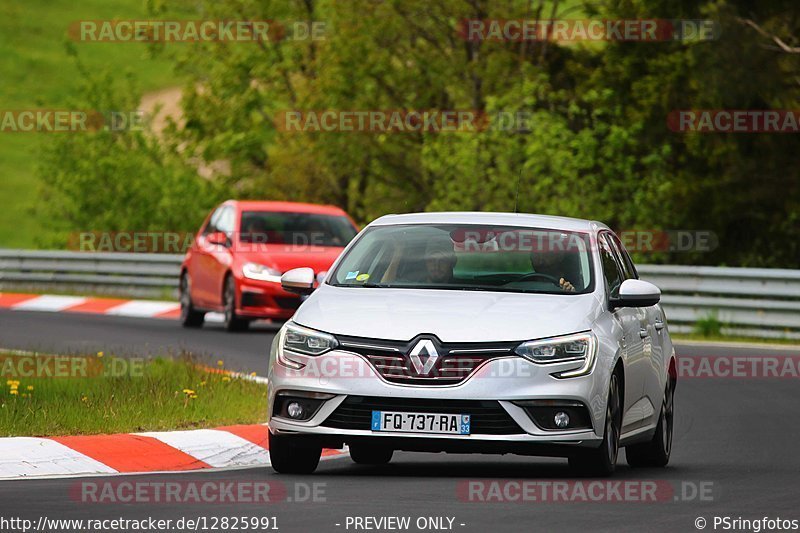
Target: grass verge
(733, 338)
(100, 395)
(37, 73)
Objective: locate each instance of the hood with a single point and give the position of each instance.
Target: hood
(453, 316)
(320, 258)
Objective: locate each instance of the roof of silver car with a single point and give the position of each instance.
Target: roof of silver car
(503, 219)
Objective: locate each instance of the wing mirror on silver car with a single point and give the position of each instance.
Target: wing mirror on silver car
(636, 293)
(298, 280)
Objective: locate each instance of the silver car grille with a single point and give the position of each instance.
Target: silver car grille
(454, 364)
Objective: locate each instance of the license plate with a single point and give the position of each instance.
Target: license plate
(447, 424)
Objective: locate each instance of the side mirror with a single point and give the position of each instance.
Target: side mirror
(298, 280)
(218, 237)
(636, 293)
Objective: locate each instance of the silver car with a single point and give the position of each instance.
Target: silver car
(475, 333)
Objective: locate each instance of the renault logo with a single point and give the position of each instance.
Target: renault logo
(424, 348)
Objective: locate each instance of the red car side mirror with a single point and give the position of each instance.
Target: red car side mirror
(218, 237)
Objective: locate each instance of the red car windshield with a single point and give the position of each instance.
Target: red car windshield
(302, 229)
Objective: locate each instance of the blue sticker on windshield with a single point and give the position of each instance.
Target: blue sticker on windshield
(351, 275)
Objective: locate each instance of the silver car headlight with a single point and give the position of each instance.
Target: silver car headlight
(578, 347)
(307, 341)
(261, 272)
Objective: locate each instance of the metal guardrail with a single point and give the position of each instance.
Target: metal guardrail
(747, 301)
(122, 274)
(761, 302)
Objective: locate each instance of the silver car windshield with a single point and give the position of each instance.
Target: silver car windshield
(468, 257)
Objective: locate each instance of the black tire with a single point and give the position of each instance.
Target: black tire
(602, 461)
(656, 452)
(232, 321)
(370, 454)
(190, 317)
(292, 455)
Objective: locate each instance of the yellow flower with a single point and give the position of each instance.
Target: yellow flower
(253, 374)
(14, 392)
(226, 378)
(203, 383)
(193, 396)
(84, 399)
(99, 354)
(220, 363)
(188, 392)
(29, 387)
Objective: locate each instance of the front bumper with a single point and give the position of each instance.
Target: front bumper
(265, 299)
(500, 382)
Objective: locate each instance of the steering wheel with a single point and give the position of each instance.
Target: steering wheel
(532, 275)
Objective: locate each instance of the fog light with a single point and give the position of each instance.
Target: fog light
(561, 419)
(295, 410)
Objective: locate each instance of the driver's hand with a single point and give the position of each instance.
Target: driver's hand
(566, 285)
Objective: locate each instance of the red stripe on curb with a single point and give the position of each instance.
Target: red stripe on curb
(174, 313)
(330, 451)
(96, 305)
(259, 435)
(8, 299)
(132, 453)
(256, 434)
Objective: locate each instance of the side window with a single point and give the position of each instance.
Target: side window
(211, 227)
(625, 260)
(611, 268)
(226, 222)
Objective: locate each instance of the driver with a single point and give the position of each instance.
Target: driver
(439, 261)
(255, 231)
(553, 263)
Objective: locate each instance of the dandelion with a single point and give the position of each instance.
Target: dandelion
(100, 354)
(226, 378)
(13, 392)
(188, 392)
(252, 374)
(29, 387)
(84, 399)
(220, 363)
(193, 396)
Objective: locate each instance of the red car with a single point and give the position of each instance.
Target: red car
(236, 261)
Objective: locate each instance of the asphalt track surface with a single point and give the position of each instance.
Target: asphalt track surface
(735, 454)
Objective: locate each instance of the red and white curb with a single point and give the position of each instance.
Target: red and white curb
(163, 451)
(96, 306)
